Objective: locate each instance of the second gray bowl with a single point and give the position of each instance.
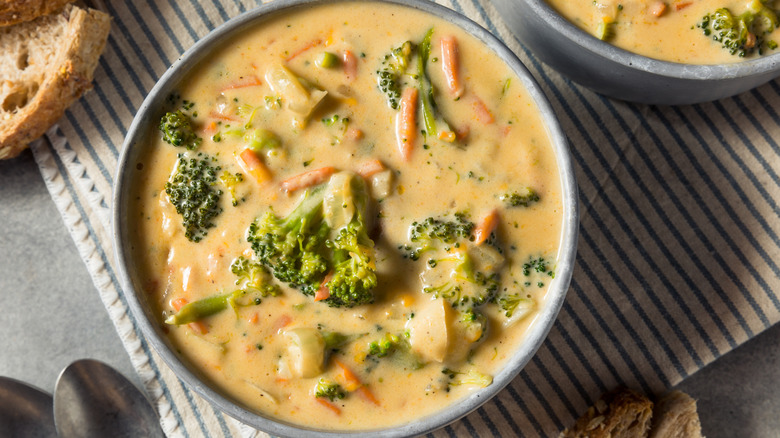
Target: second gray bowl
(623, 75)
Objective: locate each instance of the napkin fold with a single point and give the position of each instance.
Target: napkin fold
(678, 253)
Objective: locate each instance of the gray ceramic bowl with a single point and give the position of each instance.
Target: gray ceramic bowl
(145, 124)
(618, 73)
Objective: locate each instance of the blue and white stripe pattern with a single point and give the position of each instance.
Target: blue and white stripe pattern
(679, 245)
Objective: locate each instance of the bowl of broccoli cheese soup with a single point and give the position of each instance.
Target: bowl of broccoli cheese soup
(346, 217)
(648, 51)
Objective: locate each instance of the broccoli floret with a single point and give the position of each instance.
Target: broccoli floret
(470, 377)
(330, 390)
(393, 68)
(191, 189)
(520, 198)
(743, 34)
(535, 268)
(177, 130)
(254, 277)
(304, 247)
(293, 248)
(425, 234)
(466, 286)
(230, 181)
(385, 345)
(513, 305)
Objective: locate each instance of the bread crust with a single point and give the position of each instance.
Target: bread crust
(18, 11)
(676, 416)
(621, 413)
(65, 79)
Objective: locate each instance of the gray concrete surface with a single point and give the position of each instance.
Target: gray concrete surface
(51, 315)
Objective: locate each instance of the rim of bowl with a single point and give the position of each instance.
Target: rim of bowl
(651, 65)
(536, 333)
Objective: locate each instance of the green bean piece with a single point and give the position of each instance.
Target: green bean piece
(327, 60)
(200, 309)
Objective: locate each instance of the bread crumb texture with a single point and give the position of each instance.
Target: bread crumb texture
(621, 413)
(45, 65)
(19, 11)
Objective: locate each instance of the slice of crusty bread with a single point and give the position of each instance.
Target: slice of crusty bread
(621, 413)
(675, 416)
(19, 11)
(45, 65)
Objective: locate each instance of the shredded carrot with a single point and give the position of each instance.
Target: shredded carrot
(366, 394)
(449, 64)
(303, 49)
(244, 82)
(253, 165)
(353, 383)
(211, 127)
(335, 409)
(485, 227)
(681, 5)
(354, 134)
(349, 61)
(481, 112)
(225, 117)
(308, 179)
(406, 122)
(370, 167)
(323, 292)
(254, 318)
(281, 322)
(197, 326)
(658, 8)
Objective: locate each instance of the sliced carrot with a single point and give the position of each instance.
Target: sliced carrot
(481, 111)
(253, 165)
(349, 61)
(335, 409)
(450, 65)
(658, 8)
(406, 122)
(244, 82)
(370, 167)
(198, 326)
(303, 49)
(323, 292)
(308, 179)
(485, 227)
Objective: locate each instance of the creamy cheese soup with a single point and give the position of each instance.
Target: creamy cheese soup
(684, 31)
(348, 217)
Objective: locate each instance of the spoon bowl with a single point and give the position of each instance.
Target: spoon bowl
(25, 410)
(91, 399)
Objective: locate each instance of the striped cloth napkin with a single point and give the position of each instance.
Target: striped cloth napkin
(678, 252)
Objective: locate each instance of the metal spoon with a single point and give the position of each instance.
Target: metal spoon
(25, 410)
(91, 399)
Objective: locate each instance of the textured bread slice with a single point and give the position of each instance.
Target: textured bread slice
(45, 65)
(675, 416)
(19, 11)
(621, 413)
